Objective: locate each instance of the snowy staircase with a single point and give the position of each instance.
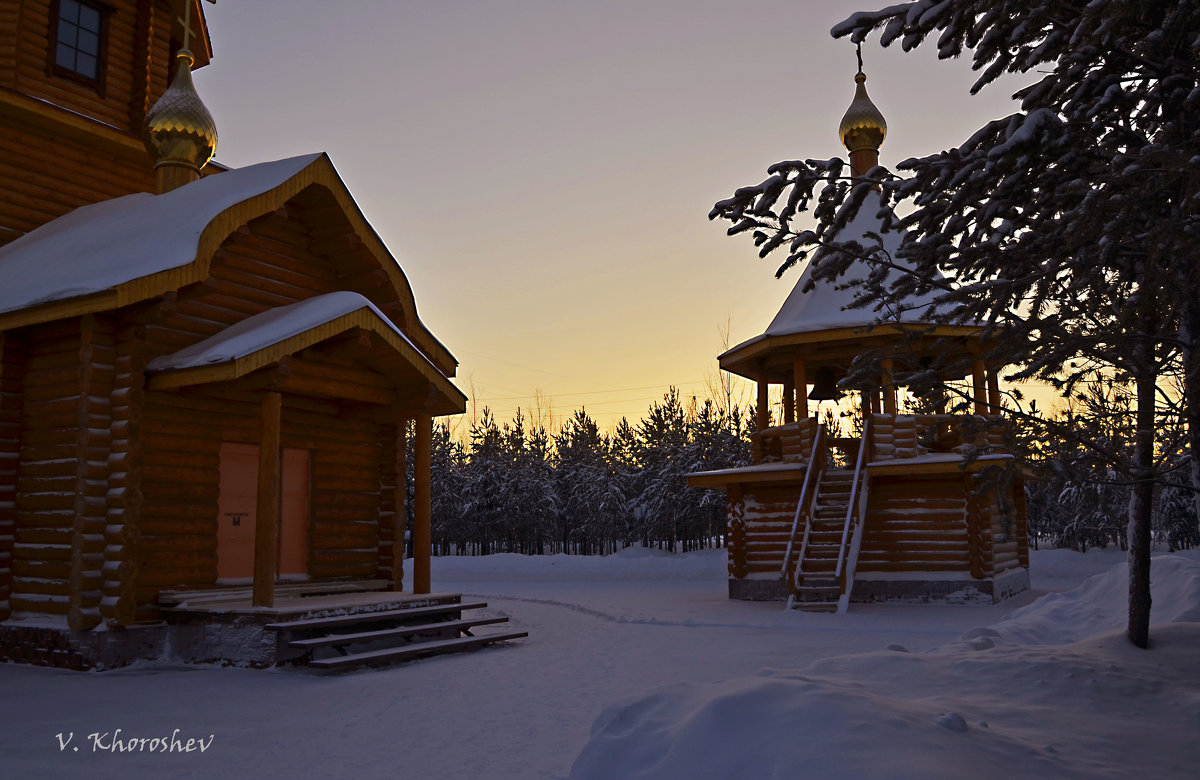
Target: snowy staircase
(817, 587)
(389, 636)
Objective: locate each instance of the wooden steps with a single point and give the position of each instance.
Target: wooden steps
(340, 642)
(816, 588)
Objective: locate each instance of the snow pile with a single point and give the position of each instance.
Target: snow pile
(1099, 605)
(976, 708)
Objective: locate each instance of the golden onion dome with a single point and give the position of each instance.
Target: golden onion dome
(179, 130)
(862, 127)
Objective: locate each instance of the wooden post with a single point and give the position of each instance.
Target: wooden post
(422, 509)
(889, 389)
(399, 502)
(979, 391)
(993, 385)
(800, 381)
(764, 411)
(789, 406)
(266, 526)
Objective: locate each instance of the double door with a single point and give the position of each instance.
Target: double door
(238, 504)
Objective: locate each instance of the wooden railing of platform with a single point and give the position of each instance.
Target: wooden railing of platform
(855, 514)
(808, 495)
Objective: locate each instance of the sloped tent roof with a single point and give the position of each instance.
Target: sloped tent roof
(133, 248)
(811, 320)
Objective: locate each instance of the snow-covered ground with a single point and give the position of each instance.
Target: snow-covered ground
(637, 665)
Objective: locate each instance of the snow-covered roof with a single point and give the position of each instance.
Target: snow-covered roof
(271, 327)
(100, 246)
(825, 307)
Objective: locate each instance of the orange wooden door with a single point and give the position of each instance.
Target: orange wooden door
(237, 504)
(293, 514)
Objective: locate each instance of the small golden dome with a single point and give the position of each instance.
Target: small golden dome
(179, 130)
(863, 127)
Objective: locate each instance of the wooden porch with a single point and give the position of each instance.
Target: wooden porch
(332, 626)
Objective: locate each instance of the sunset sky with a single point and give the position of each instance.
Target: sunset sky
(542, 170)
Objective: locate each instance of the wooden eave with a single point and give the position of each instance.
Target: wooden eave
(318, 173)
(411, 364)
(31, 112)
(786, 474)
(204, 52)
(828, 346)
(915, 467)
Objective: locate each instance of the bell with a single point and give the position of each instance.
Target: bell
(824, 387)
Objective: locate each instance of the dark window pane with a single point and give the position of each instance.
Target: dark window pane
(89, 18)
(85, 65)
(65, 56)
(68, 11)
(79, 46)
(89, 42)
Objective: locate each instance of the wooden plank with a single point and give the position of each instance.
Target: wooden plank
(414, 650)
(422, 506)
(366, 617)
(334, 640)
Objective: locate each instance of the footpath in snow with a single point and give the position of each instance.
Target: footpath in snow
(638, 666)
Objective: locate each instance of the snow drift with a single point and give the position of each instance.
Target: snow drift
(1025, 697)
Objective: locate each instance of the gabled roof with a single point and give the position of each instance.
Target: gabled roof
(97, 248)
(265, 338)
(117, 252)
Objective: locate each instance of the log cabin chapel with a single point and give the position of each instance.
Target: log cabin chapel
(903, 510)
(206, 375)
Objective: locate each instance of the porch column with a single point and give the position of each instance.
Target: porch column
(979, 389)
(789, 395)
(422, 509)
(800, 380)
(266, 526)
(889, 389)
(400, 502)
(763, 410)
(993, 385)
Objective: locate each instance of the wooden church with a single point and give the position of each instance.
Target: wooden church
(207, 376)
(897, 512)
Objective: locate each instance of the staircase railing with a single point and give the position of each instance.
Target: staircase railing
(808, 494)
(857, 497)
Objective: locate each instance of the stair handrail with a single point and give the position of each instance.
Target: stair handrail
(852, 506)
(816, 464)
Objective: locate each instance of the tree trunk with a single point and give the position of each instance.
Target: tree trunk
(1189, 331)
(1141, 498)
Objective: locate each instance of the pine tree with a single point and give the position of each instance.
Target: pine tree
(1070, 225)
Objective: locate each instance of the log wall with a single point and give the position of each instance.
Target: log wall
(915, 524)
(765, 515)
(393, 495)
(12, 380)
(118, 604)
(134, 38)
(264, 265)
(59, 539)
(344, 508)
(46, 176)
(52, 158)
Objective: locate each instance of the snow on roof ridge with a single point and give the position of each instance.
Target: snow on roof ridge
(271, 327)
(102, 245)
